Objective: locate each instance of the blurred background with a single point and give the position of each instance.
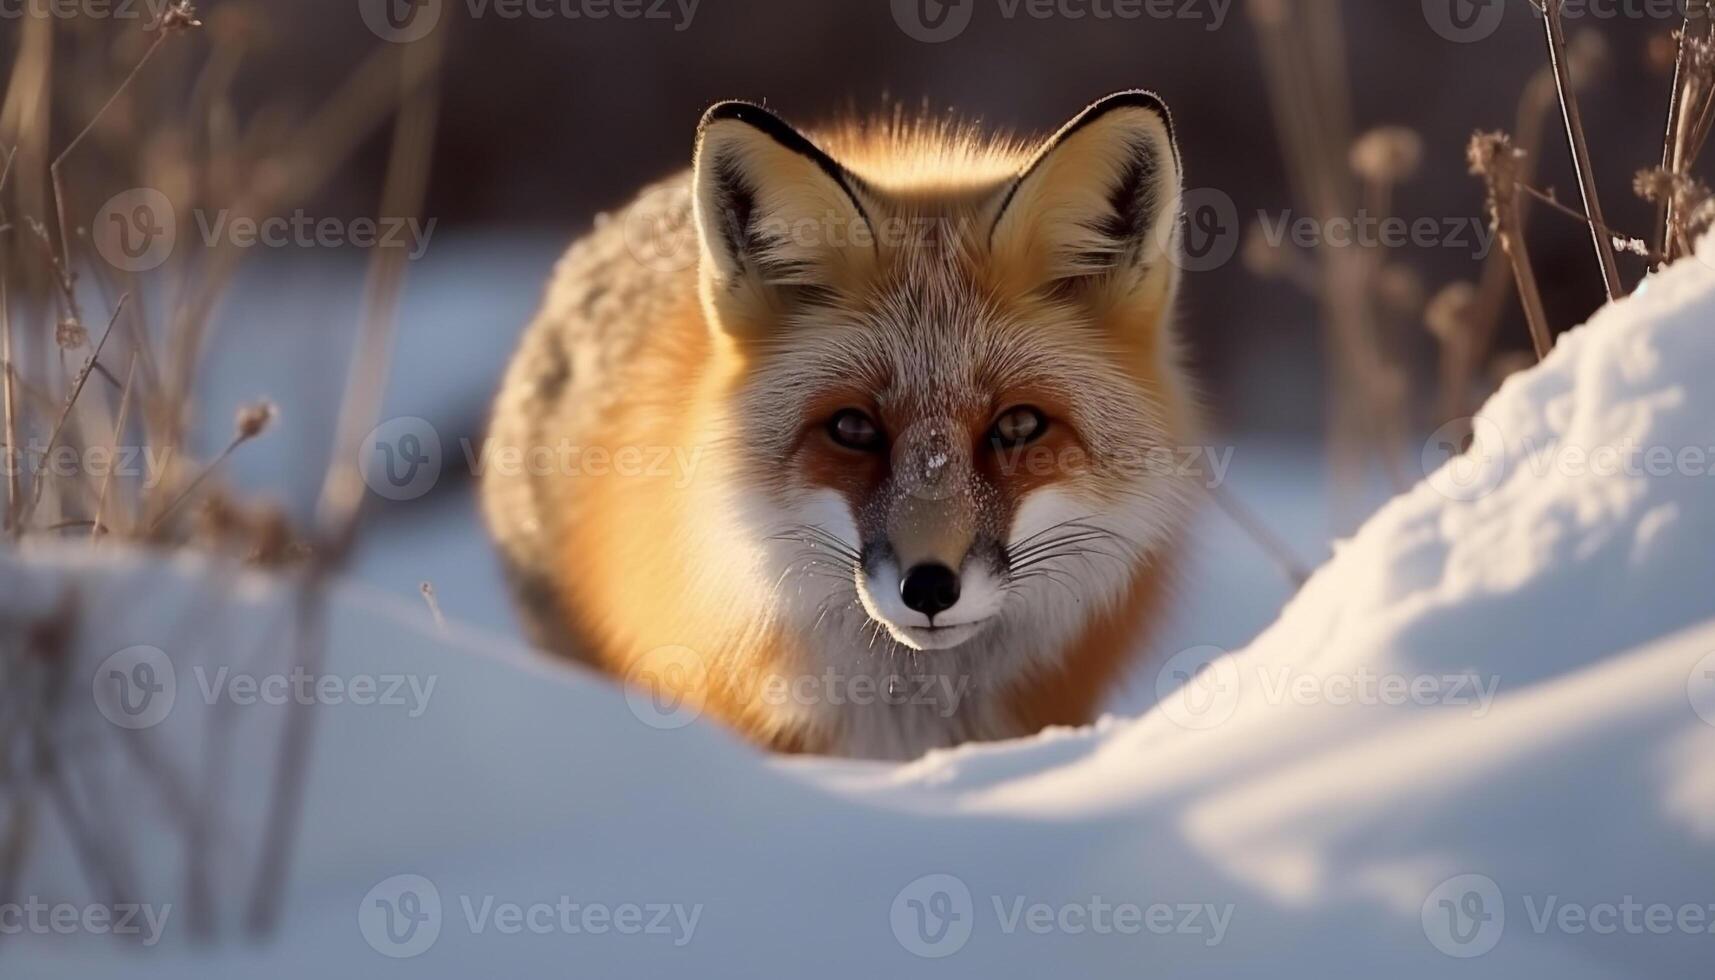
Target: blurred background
(1327, 362)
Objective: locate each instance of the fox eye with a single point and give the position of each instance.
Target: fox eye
(855, 430)
(1018, 426)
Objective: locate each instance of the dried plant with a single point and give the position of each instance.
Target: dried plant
(1493, 157)
(137, 381)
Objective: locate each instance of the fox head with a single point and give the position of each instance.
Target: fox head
(950, 381)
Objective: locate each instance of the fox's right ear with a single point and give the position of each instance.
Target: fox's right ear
(1096, 213)
(775, 216)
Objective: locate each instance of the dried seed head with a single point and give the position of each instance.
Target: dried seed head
(1494, 158)
(1450, 314)
(1388, 155)
(70, 335)
(253, 420)
(179, 17)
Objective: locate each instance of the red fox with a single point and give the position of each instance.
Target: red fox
(866, 467)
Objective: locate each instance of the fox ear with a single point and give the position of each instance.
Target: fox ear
(1096, 211)
(775, 215)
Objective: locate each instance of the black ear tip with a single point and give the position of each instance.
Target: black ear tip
(735, 109)
(1136, 98)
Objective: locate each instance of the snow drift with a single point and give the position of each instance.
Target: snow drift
(1481, 742)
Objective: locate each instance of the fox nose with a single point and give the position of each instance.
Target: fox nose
(930, 588)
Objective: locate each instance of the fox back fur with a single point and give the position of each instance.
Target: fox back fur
(854, 442)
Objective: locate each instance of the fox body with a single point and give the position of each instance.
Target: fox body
(856, 443)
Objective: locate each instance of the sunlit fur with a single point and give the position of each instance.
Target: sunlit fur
(932, 278)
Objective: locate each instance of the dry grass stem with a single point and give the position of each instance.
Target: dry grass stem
(1493, 157)
(1557, 53)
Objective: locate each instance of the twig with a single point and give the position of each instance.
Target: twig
(1261, 536)
(251, 423)
(71, 403)
(14, 491)
(342, 488)
(1571, 212)
(56, 177)
(1551, 10)
(428, 590)
(1494, 158)
(96, 529)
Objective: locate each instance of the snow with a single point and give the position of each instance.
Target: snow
(1480, 742)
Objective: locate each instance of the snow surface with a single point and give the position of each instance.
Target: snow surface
(1481, 742)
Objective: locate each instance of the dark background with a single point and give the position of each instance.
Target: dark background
(546, 121)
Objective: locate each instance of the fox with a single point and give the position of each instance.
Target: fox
(850, 437)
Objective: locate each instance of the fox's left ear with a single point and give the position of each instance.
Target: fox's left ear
(1095, 214)
(777, 218)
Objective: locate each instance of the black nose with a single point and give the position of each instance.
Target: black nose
(930, 589)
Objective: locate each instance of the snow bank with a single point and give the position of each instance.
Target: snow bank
(1481, 742)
